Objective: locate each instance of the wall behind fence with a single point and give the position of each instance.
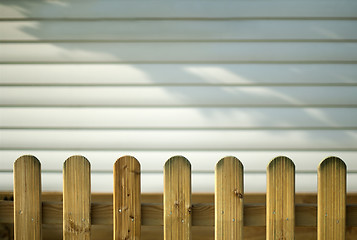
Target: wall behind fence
(203, 79)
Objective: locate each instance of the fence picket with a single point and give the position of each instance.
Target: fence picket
(280, 212)
(177, 199)
(27, 199)
(331, 199)
(127, 213)
(127, 199)
(76, 199)
(229, 199)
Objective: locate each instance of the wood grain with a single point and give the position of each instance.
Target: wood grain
(229, 192)
(280, 218)
(332, 199)
(177, 199)
(127, 199)
(198, 233)
(152, 214)
(101, 232)
(249, 198)
(27, 199)
(76, 199)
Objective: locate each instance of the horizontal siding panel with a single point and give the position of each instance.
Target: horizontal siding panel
(170, 74)
(183, 30)
(201, 161)
(212, 52)
(130, 140)
(201, 183)
(194, 118)
(169, 96)
(21, 9)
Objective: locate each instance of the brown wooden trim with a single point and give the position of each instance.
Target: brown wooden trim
(249, 198)
(100, 232)
(152, 214)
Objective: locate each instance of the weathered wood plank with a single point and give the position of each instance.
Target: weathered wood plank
(27, 199)
(280, 219)
(177, 199)
(332, 199)
(127, 199)
(229, 192)
(249, 198)
(76, 199)
(152, 214)
(198, 233)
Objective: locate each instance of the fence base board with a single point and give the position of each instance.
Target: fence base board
(152, 221)
(100, 232)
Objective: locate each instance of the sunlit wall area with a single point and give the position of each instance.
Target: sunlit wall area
(203, 79)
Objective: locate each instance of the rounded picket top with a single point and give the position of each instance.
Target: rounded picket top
(27, 198)
(76, 197)
(229, 198)
(177, 160)
(229, 159)
(332, 161)
(281, 160)
(331, 198)
(128, 161)
(77, 160)
(177, 198)
(126, 195)
(27, 159)
(280, 199)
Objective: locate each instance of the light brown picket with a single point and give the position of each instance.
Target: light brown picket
(331, 199)
(127, 199)
(280, 211)
(128, 217)
(177, 199)
(76, 199)
(27, 199)
(229, 194)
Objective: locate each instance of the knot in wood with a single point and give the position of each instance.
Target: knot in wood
(189, 210)
(238, 194)
(72, 227)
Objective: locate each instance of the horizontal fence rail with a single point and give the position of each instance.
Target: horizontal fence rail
(125, 214)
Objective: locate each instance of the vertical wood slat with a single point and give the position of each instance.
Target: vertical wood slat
(177, 199)
(331, 223)
(280, 213)
(127, 199)
(27, 199)
(229, 199)
(76, 198)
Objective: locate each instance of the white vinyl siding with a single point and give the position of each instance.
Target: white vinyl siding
(200, 78)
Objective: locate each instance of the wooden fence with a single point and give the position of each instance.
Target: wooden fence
(230, 215)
